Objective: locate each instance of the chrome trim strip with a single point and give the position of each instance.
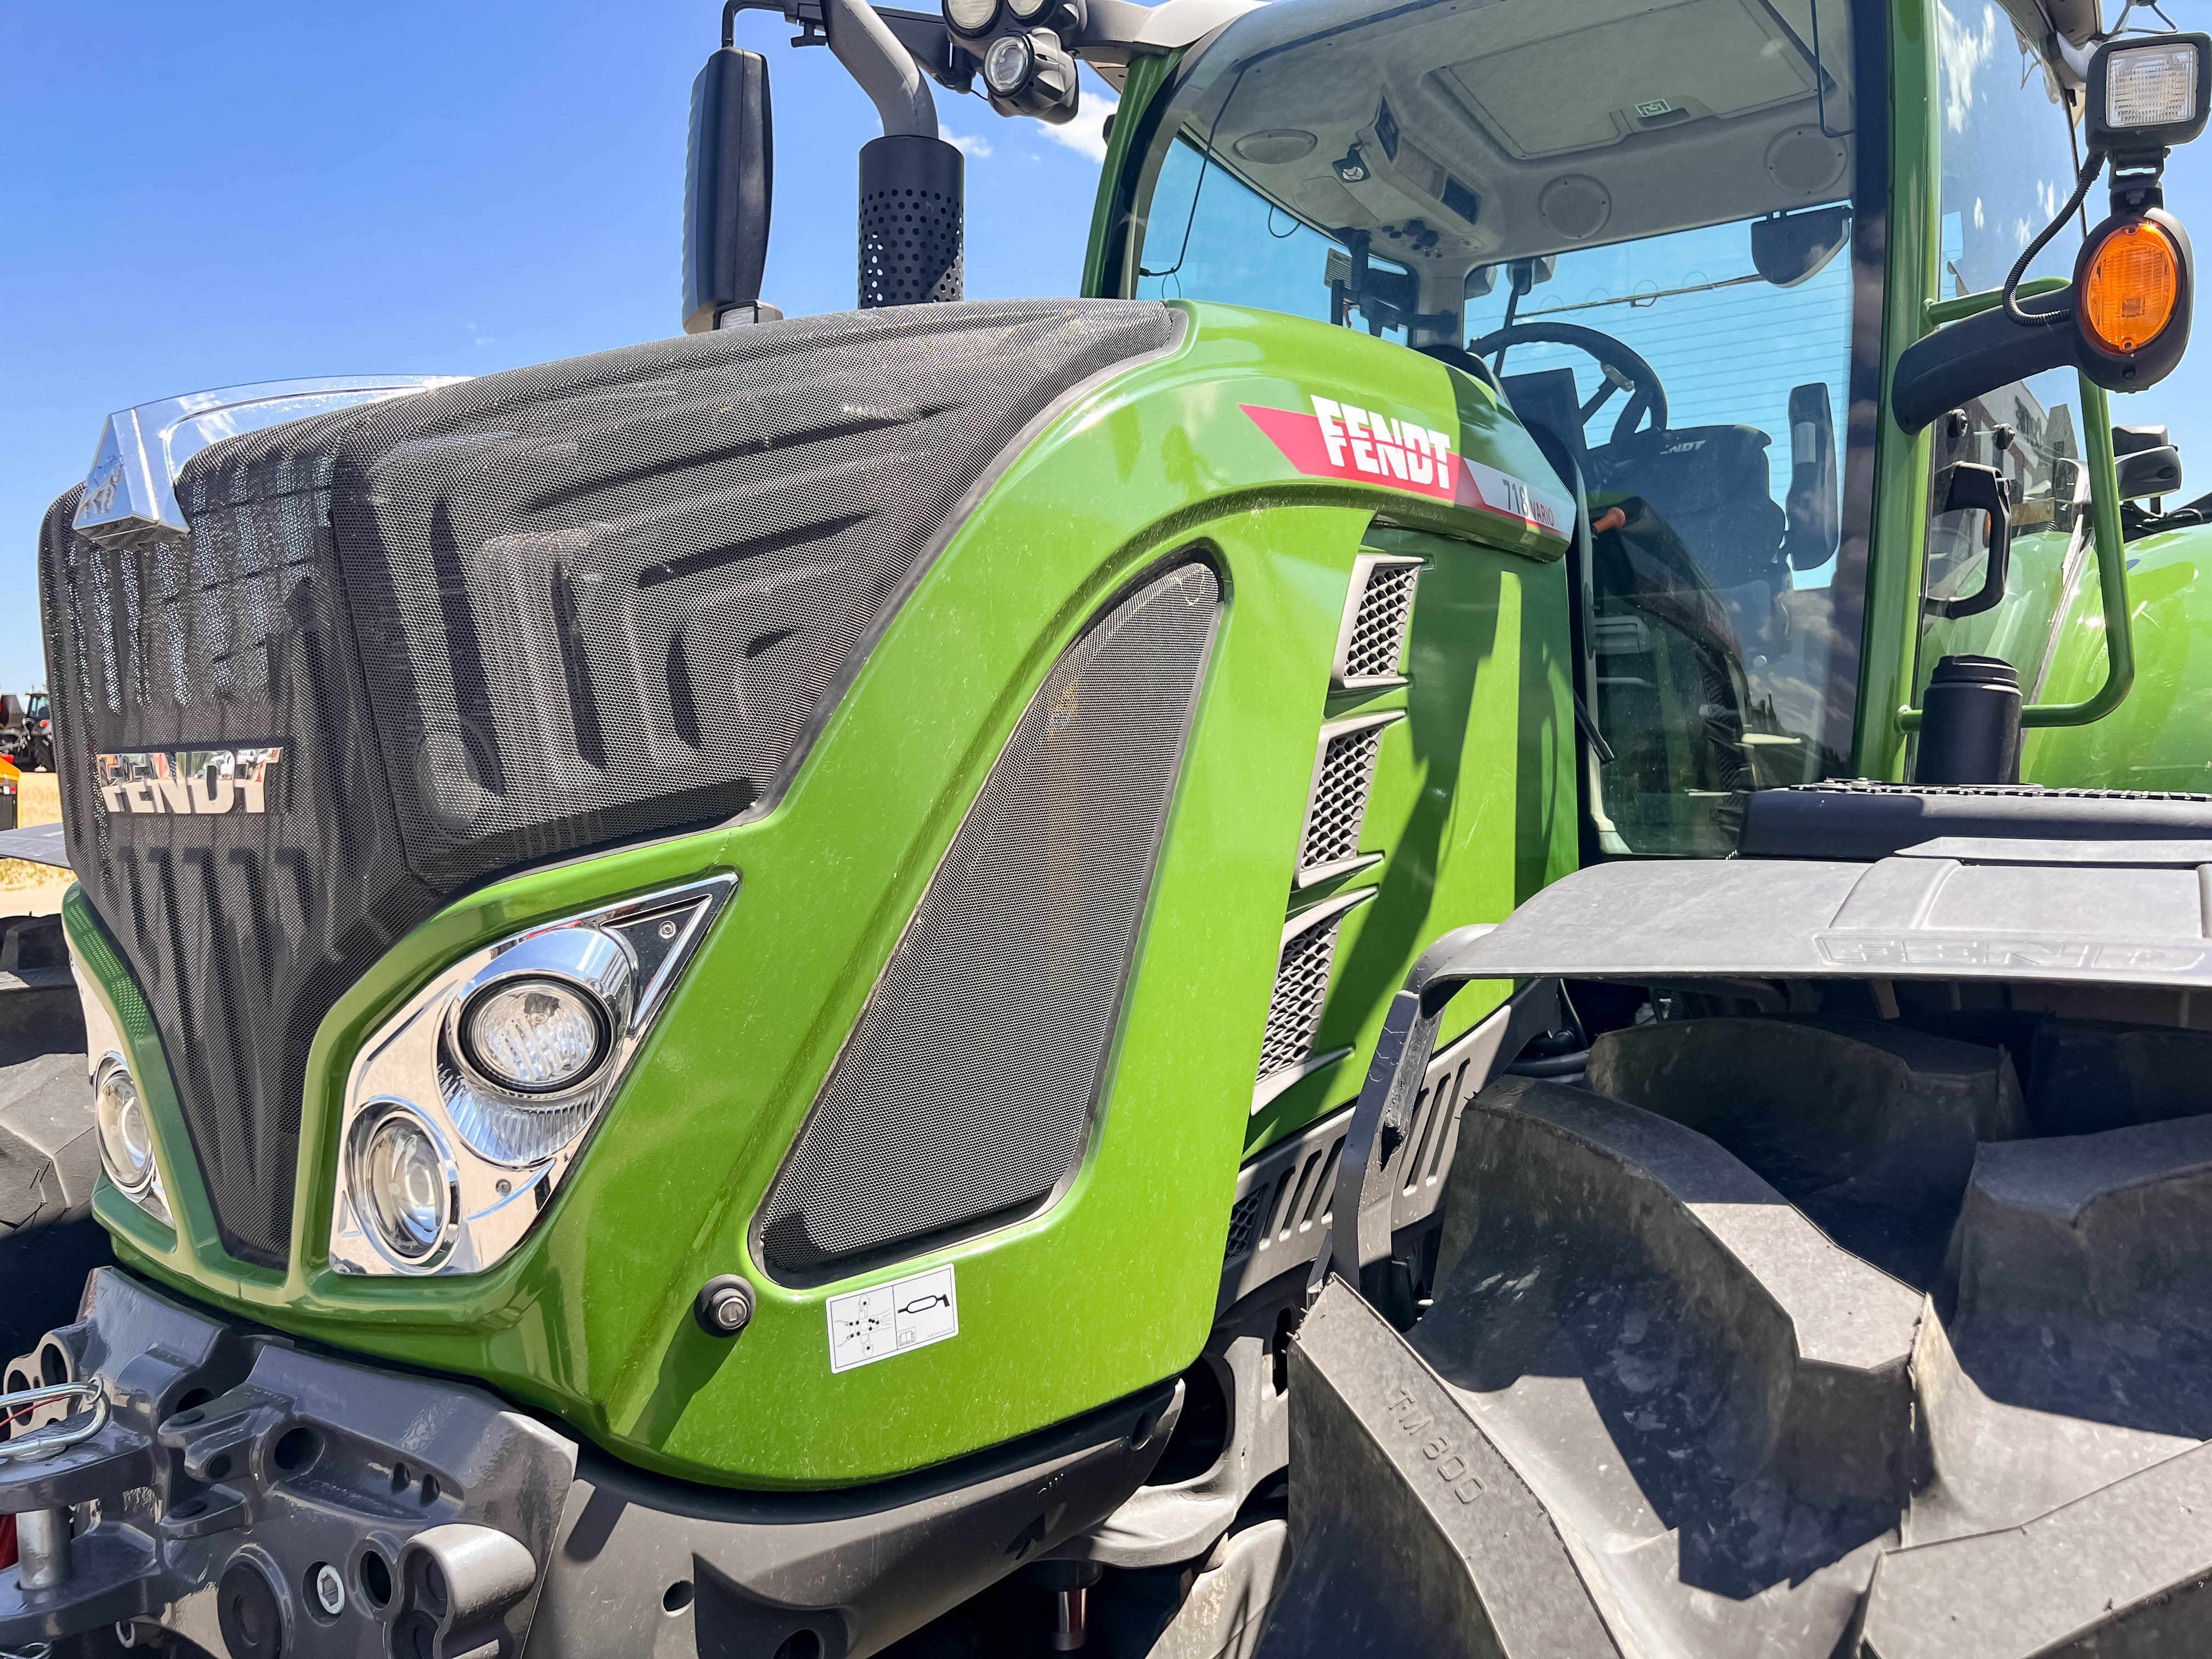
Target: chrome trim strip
(1301, 919)
(131, 491)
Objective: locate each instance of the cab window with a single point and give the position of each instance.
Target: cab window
(1639, 217)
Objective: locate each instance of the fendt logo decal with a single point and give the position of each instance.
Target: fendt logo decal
(1343, 441)
(205, 783)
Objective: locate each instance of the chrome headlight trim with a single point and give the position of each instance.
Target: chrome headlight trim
(513, 1127)
(510, 1151)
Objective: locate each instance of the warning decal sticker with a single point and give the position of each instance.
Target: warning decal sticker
(865, 1326)
(1343, 441)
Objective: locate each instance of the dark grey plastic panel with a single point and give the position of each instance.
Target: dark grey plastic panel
(2130, 913)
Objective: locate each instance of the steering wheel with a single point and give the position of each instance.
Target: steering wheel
(1624, 370)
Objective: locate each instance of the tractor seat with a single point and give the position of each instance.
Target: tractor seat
(1711, 484)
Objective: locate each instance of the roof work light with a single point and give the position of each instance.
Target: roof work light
(2146, 96)
(2124, 320)
(1025, 48)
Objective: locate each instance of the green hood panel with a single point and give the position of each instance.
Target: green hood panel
(1111, 1287)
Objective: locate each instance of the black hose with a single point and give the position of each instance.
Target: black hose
(2089, 171)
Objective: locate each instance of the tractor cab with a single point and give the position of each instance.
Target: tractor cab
(1688, 242)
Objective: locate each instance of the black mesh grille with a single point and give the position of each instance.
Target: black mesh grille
(1243, 1226)
(1339, 797)
(498, 623)
(1378, 644)
(241, 929)
(966, 1089)
(1294, 1010)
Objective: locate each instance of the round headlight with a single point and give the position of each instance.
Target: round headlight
(1007, 65)
(970, 16)
(126, 1139)
(535, 1035)
(405, 1187)
(1028, 11)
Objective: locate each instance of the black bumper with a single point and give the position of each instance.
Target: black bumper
(235, 1467)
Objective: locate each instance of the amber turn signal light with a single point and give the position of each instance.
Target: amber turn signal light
(2129, 290)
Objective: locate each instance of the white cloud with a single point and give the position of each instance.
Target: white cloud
(1086, 134)
(975, 148)
(1963, 53)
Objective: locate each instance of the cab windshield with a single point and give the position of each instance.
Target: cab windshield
(1640, 217)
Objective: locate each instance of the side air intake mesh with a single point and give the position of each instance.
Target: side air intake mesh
(966, 1090)
(1376, 646)
(1342, 778)
(1301, 989)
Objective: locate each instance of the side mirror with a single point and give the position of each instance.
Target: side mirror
(1815, 518)
(2146, 461)
(729, 182)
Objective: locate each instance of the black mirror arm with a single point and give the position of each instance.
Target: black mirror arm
(887, 67)
(929, 43)
(1963, 360)
(1980, 488)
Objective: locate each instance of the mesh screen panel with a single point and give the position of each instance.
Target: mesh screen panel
(1243, 1226)
(1378, 645)
(240, 929)
(495, 623)
(965, 1091)
(1339, 797)
(1294, 1009)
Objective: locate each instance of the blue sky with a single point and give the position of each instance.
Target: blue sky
(201, 196)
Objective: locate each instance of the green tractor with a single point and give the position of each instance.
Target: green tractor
(1337, 951)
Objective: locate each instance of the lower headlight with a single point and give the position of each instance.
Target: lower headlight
(405, 1188)
(126, 1139)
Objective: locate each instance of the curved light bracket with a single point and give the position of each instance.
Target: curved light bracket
(130, 496)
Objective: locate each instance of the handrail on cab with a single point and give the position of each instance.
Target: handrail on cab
(2105, 525)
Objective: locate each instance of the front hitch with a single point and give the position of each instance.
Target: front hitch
(179, 1472)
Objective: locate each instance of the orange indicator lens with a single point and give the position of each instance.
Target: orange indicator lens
(2129, 292)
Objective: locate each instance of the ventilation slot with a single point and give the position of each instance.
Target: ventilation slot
(1370, 649)
(964, 1095)
(1344, 773)
(1244, 1226)
(1283, 1207)
(1301, 986)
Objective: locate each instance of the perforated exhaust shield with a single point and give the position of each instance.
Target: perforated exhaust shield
(965, 1093)
(496, 624)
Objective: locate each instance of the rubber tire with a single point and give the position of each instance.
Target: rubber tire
(49, 1159)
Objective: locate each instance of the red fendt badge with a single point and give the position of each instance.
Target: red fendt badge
(1343, 441)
